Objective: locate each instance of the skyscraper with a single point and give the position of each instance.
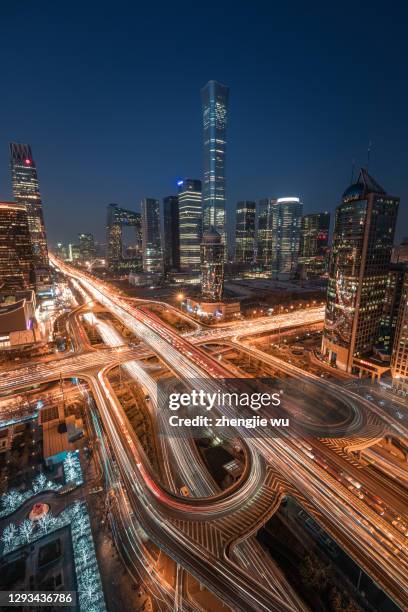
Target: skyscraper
(116, 256)
(190, 224)
(212, 266)
(151, 236)
(358, 271)
(245, 232)
(86, 245)
(399, 358)
(215, 101)
(391, 306)
(400, 252)
(286, 219)
(171, 233)
(314, 240)
(16, 251)
(264, 233)
(26, 191)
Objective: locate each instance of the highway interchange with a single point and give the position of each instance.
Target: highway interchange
(209, 533)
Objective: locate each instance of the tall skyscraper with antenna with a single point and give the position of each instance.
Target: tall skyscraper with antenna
(26, 191)
(215, 111)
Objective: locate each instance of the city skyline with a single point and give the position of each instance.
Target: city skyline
(204, 348)
(305, 151)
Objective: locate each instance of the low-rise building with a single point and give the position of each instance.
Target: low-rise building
(17, 319)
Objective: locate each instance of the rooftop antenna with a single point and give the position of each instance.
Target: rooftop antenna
(368, 153)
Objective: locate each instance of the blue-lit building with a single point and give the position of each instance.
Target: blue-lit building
(26, 191)
(171, 233)
(212, 266)
(215, 110)
(286, 222)
(190, 224)
(119, 259)
(151, 236)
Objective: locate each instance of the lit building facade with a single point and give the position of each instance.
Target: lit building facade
(245, 232)
(358, 271)
(212, 266)
(215, 111)
(151, 236)
(391, 305)
(400, 252)
(26, 191)
(264, 233)
(17, 263)
(399, 359)
(286, 220)
(171, 233)
(190, 224)
(86, 245)
(118, 262)
(314, 242)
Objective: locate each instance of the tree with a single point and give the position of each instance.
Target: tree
(46, 522)
(9, 535)
(26, 530)
(39, 482)
(88, 585)
(12, 500)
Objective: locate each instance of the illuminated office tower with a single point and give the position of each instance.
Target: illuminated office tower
(358, 271)
(245, 232)
(16, 251)
(399, 358)
(171, 233)
(215, 102)
(264, 233)
(286, 219)
(391, 306)
(400, 252)
(86, 245)
(190, 224)
(212, 266)
(117, 258)
(314, 241)
(26, 191)
(151, 236)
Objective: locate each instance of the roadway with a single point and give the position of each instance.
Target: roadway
(375, 544)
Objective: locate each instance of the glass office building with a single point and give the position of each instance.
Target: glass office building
(399, 359)
(86, 245)
(171, 233)
(190, 224)
(245, 232)
(212, 266)
(26, 191)
(151, 236)
(17, 261)
(264, 233)
(215, 111)
(118, 258)
(358, 271)
(286, 220)
(314, 243)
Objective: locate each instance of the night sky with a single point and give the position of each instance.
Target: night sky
(108, 95)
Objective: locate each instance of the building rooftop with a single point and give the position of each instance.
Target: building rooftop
(365, 184)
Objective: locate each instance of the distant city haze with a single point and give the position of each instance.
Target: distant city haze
(109, 99)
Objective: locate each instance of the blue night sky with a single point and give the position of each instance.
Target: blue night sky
(108, 95)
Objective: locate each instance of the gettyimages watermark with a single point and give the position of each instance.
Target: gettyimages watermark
(207, 401)
(264, 407)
